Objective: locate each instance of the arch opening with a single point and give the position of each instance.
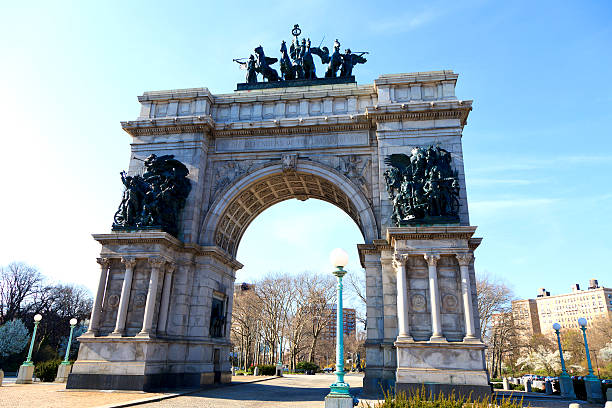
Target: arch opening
(248, 197)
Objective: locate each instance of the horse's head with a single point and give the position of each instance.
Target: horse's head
(283, 48)
(259, 50)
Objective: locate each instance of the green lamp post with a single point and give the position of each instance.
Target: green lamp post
(565, 381)
(591, 382)
(28, 362)
(339, 389)
(73, 323)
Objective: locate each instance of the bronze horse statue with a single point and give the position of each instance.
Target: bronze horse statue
(263, 65)
(288, 70)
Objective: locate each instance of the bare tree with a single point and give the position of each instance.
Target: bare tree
(321, 294)
(19, 285)
(494, 297)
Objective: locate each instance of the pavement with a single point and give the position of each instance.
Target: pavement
(295, 391)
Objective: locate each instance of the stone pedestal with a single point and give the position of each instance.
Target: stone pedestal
(256, 371)
(437, 345)
(505, 384)
(153, 331)
(593, 389)
(609, 394)
(1, 377)
(338, 401)
(442, 367)
(26, 372)
(62, 373)
(279, 371)
(567, 387)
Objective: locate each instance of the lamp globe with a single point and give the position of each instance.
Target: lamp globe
(37, 318)
(73, 321)
(582, 322)
(338, 258)
(556, 326)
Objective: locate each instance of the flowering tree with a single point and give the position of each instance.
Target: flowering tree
(542, 359)
(13, 338)
(606, 352)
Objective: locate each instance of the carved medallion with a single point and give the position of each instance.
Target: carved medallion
(450, 303)
(140, 299)
(113, 301)
(419, 303)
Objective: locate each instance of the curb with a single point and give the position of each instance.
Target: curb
(179, 394)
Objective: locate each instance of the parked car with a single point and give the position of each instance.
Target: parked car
(328, 370)
(606, 381)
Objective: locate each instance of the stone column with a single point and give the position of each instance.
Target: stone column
(434, 297)
(402, 298)
(96, 311)
(147, 321)
(466, 290)
(165, 301)
(125, 295)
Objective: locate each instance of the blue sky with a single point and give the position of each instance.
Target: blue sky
(537, 147)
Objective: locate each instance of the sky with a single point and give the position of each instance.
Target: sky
(537, 145)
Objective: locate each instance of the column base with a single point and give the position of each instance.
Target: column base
(62, 372)
(26, 372)
(339, 401)
(567, 387)
(404, 339)
(438, 339)
(593, 389)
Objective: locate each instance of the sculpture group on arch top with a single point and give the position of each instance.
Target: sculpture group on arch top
(297, 63)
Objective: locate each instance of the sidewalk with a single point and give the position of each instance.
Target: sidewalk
(54, 395)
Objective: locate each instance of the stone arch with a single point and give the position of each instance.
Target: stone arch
(240, 203)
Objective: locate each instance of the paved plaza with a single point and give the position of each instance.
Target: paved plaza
(300, 391)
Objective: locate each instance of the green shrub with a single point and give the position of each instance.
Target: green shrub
(516, 387)
(267, 369)
(423, 399)
(307, 366)
(497, 385)
(47, 370)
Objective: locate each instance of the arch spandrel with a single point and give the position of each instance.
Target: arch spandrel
(250, 195)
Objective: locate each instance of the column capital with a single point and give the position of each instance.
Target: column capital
(104, 262)
(128, 261)
(156, 262)
(432, 258)
(464, 259)
(399, 260)
(170, 267)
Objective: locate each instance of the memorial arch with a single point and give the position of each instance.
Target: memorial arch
(162, 310)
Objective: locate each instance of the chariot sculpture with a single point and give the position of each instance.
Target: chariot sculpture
(297, 62)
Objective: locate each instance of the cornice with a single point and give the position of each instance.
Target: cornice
(429, 233)
(366, 249)
(163, 238)
(176, 94)
(434, 110)
(164, 126)
(474, 243)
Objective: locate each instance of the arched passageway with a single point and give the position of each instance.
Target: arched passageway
(240, 203)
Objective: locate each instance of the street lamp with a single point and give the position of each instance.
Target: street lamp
(339, 389)
(566, 383)
(73, 323)
(26, 370)
(591, 382)
(28, 362)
